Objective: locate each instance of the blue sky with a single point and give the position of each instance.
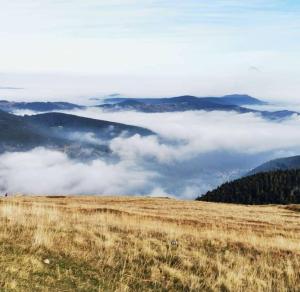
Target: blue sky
(150, 48)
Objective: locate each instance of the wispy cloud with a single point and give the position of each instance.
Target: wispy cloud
(202, 41)
(129, 18)
(10, 88)
(254, 69)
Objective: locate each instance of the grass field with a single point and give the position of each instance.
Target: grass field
(143, 244)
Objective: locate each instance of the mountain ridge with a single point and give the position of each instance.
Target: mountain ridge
(59, 130)
(38, 106)
(235, 102)
(284, 163)
(231, 99)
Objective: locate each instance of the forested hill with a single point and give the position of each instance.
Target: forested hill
(276, 187)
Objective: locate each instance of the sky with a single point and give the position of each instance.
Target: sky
(63, 49)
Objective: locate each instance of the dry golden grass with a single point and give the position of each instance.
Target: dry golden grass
(143, 244)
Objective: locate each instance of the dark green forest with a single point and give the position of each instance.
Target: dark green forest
(275, 187)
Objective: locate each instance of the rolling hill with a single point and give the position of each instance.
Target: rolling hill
(61, 122)
(16, 133)
(58, 130)
(237, 99)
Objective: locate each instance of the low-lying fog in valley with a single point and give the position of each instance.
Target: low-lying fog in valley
(192, 152)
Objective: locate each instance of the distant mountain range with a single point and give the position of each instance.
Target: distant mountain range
(274, 187)
(181, 103)
(286, 163)
(73, 134)
(235, 102)
(11, 106)
(233, 99)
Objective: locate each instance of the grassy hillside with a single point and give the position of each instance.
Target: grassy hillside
(142, 244)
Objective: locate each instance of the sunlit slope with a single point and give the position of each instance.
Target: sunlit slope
(142, 244)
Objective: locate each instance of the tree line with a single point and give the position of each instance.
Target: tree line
(275, 187)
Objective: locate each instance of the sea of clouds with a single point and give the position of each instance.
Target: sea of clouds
(192, 152)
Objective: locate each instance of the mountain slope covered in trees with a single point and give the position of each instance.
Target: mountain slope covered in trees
(60, 131)
(276, 187)
(16, 133)
(60, 122)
